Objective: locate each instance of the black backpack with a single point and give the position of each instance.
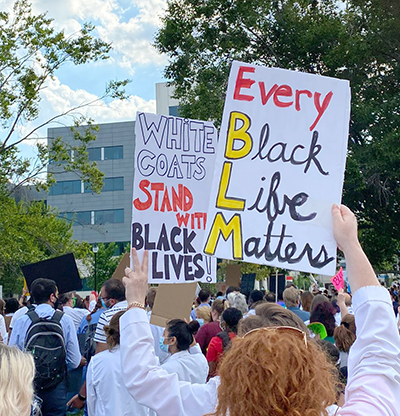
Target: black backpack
(87, 344)
(45, 341)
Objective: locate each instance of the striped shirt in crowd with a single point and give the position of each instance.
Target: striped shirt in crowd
(105, 319)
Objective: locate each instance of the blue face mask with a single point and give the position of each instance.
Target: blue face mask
(163, 347)
(104, 304)
(200, 321)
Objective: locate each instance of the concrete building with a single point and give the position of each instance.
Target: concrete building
(165, 104)
(104, 217)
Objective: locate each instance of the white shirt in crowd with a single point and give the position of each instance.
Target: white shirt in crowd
(20, 312)
(373, 385)
(3, 329)
(106, 393)
(189, 366)
(105, 318)
(76, 314)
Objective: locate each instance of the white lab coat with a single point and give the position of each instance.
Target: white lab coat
(189, 366)
(106, 392)
(374, 365)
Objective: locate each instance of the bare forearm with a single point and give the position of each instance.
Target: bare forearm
(359, 269)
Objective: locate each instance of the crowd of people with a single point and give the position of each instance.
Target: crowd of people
(321, 353)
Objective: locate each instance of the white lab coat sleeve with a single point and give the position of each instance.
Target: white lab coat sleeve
(373, 386)
(151, 385)
(90, 391)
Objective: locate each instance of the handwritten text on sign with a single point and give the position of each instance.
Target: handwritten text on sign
(279, 169)
(174, 162)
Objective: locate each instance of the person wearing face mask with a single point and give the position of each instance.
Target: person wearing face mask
(187, 362)
(45, 295)
(203, 315)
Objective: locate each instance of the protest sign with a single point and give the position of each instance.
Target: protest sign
(247, 283)
(174, 164)
(119, 272)
(279, 168)
(233, 275)
(338, 280)
(164, 310)
(62, 270)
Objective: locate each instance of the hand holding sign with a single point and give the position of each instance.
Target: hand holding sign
(135, 281)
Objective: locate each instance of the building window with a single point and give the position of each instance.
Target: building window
(113, 184)
(66, 188)
(106, 153)
(110, 184)
(107, 216)
(78, 217)
(94, 153)
(111, 216)
(113, 152)
(174, 110)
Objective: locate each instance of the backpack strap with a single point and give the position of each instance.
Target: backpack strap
(33, 316)
(57, 316)
(225, 339)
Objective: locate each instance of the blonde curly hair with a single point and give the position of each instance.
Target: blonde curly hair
(17, 371)
(275, 373)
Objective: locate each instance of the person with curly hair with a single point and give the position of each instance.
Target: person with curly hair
(305, 386)
(17, 371)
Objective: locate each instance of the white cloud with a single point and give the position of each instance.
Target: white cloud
(59, 98)
(132, 39)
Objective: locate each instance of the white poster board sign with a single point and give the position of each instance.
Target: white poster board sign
(174, 164)
(280, 167)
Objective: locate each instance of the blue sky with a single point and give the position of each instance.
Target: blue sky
(130, 25)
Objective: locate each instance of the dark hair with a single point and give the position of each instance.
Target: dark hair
(79, 303)
(114, 289)
(219, 294)
(204, 294)
(112, 330)
(151, 297)
(41, 289)
(12, 305)
(98, 306)
(270, 297)
(231, 289)
(182, 331)
(231, 317)
(325, 314)
(65, 297)
(331, 351)
(256, 295)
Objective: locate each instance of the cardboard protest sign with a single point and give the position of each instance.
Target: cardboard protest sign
(338, 280)
(174, 164)
(280, 167)
(122, 265)
(165, 309)
(61, 269)
(233, 275)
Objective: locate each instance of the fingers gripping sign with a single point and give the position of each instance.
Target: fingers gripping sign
(135, 281)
